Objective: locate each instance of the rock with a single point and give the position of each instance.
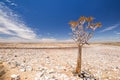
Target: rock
(22, 69)
(1, 62)
(117, 67)
(26, 78)
(1, 66)
(89, 79)
(1, 57)
(47, 60)
(86, 76)
(22, 65)
(36, 78)
(62, 76)
(60, 67)
(40, 74)
(45, 77)
(15, 55)
(15, 77)
(79, 79)
(41, 68)
(29, 68)
(2, 71)
(24, 60)
(51, 71)
(47, 57)
(13, 64)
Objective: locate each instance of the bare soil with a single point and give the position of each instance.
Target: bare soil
(101, 60)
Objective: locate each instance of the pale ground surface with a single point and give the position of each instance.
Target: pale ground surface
(103, 61)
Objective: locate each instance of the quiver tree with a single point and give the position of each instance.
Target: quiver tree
(82, 31)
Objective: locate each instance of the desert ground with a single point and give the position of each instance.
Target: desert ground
(57, 61)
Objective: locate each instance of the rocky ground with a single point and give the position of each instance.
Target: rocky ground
(101, 62)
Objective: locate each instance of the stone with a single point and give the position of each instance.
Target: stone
(47, 57)
(1, 66)
(13, 64)
(51, 71)
(40, 74)
(22, 65)
(46, 77)
(2, 72)
(36, 78)
(1, 57)
(22, 69)
(40, 69)
(15, 55)
(26, 78)
(79, 79)
(63, 77)
(29, 68)
(1, 61)
(60, 67)
(15, 77)
(47, 60)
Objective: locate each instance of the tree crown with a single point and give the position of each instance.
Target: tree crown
(83, 29)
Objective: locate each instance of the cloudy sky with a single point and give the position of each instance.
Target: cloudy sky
(47, 20)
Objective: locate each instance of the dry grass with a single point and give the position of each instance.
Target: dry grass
(53, 45)
(112, 43)
(36, 45)
(107, 43)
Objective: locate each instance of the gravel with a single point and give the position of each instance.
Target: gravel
(100, 62)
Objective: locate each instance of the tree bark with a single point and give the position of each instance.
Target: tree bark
(79, 58)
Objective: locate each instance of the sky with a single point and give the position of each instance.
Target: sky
(47, 20)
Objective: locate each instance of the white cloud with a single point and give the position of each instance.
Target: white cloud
(12, 26)
(48, 40)
(118, 33)
(110, 28)
(16, 31)
(105, 39)
(67, 40)
(55, 40)
(11, 3)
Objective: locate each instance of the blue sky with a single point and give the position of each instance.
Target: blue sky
(39, 20)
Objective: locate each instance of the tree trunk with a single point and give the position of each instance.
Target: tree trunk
(78, 67)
